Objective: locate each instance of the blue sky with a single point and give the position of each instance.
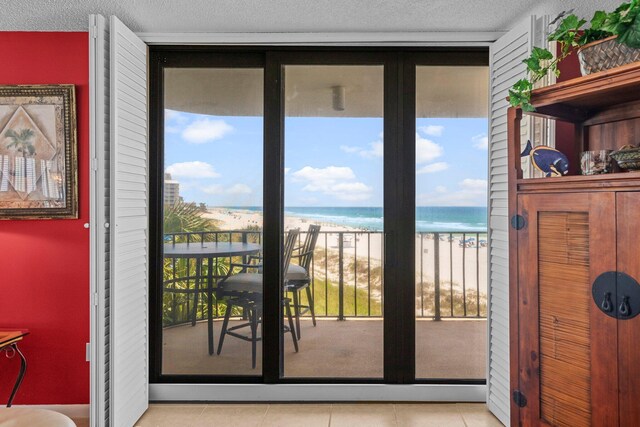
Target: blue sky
(329, 161)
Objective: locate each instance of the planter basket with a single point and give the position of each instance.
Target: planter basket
(605, 54)
(628, 159)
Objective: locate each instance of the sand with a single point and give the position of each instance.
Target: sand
(368, 248)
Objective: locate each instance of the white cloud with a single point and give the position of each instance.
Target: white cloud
(170, 115)
(287, 170)
(350, 191)
(192, 170)
(206, 130)
(335, 181)
(239, 189)
(470, 192)
(481, 142)
(174, 121)
(213, 189)
(474, 184)
(377, 150)
(433, 167)
(427, 150)
(350, 148)
(432, 130)
(235, 189)
(320, 177)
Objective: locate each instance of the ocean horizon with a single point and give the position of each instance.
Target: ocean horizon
(428, 218)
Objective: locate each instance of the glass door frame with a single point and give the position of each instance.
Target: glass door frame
(159, 59)
(276, 63)
(410, 61)
(398, 206)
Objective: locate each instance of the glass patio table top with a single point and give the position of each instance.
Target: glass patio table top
(210, 249)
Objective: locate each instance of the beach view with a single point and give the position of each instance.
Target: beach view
(461, 231)
(333, 197)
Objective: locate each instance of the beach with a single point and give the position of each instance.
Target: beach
(367, 247)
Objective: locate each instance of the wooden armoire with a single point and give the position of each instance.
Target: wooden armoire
(575, 264)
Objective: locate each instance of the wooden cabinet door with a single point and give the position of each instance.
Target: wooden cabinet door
(628, 218)
(567, 362)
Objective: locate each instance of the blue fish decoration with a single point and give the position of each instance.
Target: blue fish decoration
(548, 160)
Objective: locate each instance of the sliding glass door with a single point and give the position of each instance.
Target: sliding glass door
(318, 218)
(334, 149)
(451, 221)
(210, 216)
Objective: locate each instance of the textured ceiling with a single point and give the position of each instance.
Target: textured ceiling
(159, 16)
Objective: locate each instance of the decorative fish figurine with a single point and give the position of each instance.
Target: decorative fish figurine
(546, 159)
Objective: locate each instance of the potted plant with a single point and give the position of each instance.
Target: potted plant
(613, 39)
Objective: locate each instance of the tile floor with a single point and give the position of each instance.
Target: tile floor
(321, 415)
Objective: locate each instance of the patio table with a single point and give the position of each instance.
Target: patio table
(208, 250)
(9, 339)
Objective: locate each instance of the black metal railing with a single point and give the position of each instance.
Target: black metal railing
(346, 275)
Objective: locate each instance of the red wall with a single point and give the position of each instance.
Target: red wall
(44, 264)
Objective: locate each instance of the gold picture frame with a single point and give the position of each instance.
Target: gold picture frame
(38, 152)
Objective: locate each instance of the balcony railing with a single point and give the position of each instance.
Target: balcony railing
(346, 275)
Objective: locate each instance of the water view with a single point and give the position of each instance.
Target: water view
(333, 220)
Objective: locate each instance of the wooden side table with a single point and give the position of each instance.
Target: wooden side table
(9, 339)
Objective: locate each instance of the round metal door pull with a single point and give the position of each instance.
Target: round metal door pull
(617, 295)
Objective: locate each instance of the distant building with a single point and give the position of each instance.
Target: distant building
(171, 190)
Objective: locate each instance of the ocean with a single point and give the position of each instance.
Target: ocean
(431, 218)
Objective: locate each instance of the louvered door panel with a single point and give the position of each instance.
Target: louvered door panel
(129, 291)
(506, 57)
(100, 219)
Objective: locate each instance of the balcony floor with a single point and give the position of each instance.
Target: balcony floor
(448, 349)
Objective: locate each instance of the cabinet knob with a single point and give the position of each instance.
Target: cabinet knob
(606, 302)
(624, 309)
(617, 295)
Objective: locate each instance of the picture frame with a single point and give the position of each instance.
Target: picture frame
(38, 152)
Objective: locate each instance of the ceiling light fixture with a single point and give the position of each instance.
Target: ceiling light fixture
(338, 98)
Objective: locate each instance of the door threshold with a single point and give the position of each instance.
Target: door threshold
(318, 392)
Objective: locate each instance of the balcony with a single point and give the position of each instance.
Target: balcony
(347, 285)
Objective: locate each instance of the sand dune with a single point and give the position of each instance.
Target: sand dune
(368, 247)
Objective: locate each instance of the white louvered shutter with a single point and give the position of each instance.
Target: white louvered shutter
(129, 383)
(100, 218)
(506, 56)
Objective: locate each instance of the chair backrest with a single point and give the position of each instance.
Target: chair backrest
(309, 246)
(289, 244)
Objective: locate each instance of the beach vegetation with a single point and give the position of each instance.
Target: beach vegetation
(182, 217)
(452, 300)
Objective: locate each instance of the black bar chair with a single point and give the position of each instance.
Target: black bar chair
(245, 290)
(298, 277)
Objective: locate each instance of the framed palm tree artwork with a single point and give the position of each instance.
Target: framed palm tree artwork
(38, 152)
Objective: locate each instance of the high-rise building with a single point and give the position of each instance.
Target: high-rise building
(171, 190)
